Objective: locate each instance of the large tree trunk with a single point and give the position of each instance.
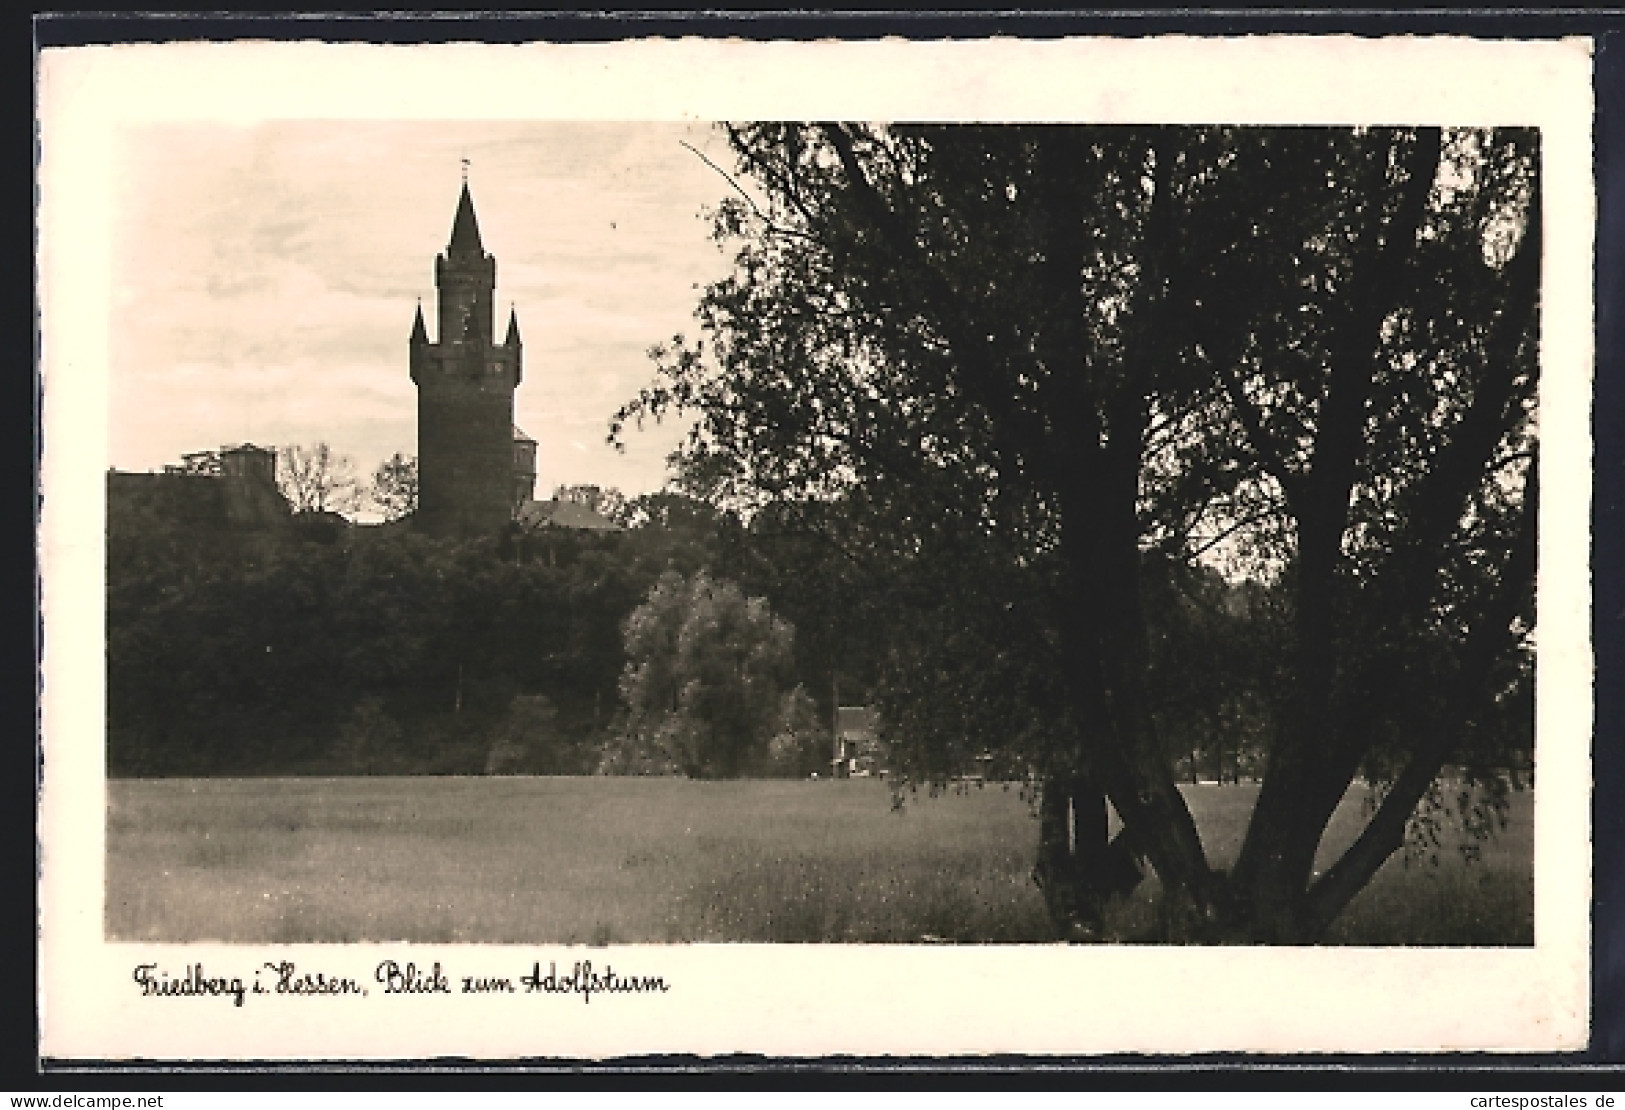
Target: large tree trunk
(1094, 446)
(1079, 867)
(1104, 637)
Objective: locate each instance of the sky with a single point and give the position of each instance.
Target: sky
(265, 278)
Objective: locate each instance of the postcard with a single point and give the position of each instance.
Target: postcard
(558, 551)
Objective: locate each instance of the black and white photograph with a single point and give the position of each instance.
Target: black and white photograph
(815, 554)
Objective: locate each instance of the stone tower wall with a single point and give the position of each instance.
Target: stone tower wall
(465, 437)
(466, 286)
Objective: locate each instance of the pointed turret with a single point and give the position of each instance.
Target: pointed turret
(420, 334)
(465, 229)
(513, 328)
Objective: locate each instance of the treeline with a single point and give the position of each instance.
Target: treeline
(322, 650)
(689, 643)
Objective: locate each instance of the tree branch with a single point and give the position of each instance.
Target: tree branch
(1385, 833)
(1434, 510)
(1232, 529)
(785, 181)
(1337, 442)
(1309, 771)
(767, 221)
(1266, 448)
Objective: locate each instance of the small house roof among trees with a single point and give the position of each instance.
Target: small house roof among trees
(563, 514)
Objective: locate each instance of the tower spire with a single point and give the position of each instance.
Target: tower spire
(465, 229)
(420, 334)
(513, 327)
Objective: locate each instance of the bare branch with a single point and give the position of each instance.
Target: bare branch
(1266, 448)
(784, 181)
(1235, 527)
(767, 221)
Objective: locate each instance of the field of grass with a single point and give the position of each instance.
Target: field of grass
(626, 860)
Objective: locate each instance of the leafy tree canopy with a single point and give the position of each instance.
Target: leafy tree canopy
(708, 682)
(394, 487)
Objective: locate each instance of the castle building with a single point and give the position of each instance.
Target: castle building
(233, 489)
(475, 468)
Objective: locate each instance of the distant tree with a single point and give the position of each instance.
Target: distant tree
(316, 479)
(801, 745)
(368, 735)
(801, 558)
(394, 488)
(672, 511)
(604, 500)
(525, 738)
(707, 675)
(1215, 647)
(626, 753)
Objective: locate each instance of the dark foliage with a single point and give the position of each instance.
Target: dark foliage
(373, 650)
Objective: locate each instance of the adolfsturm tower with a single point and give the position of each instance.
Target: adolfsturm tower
(465, 382)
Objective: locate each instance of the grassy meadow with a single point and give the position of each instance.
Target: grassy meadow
(635, 860)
